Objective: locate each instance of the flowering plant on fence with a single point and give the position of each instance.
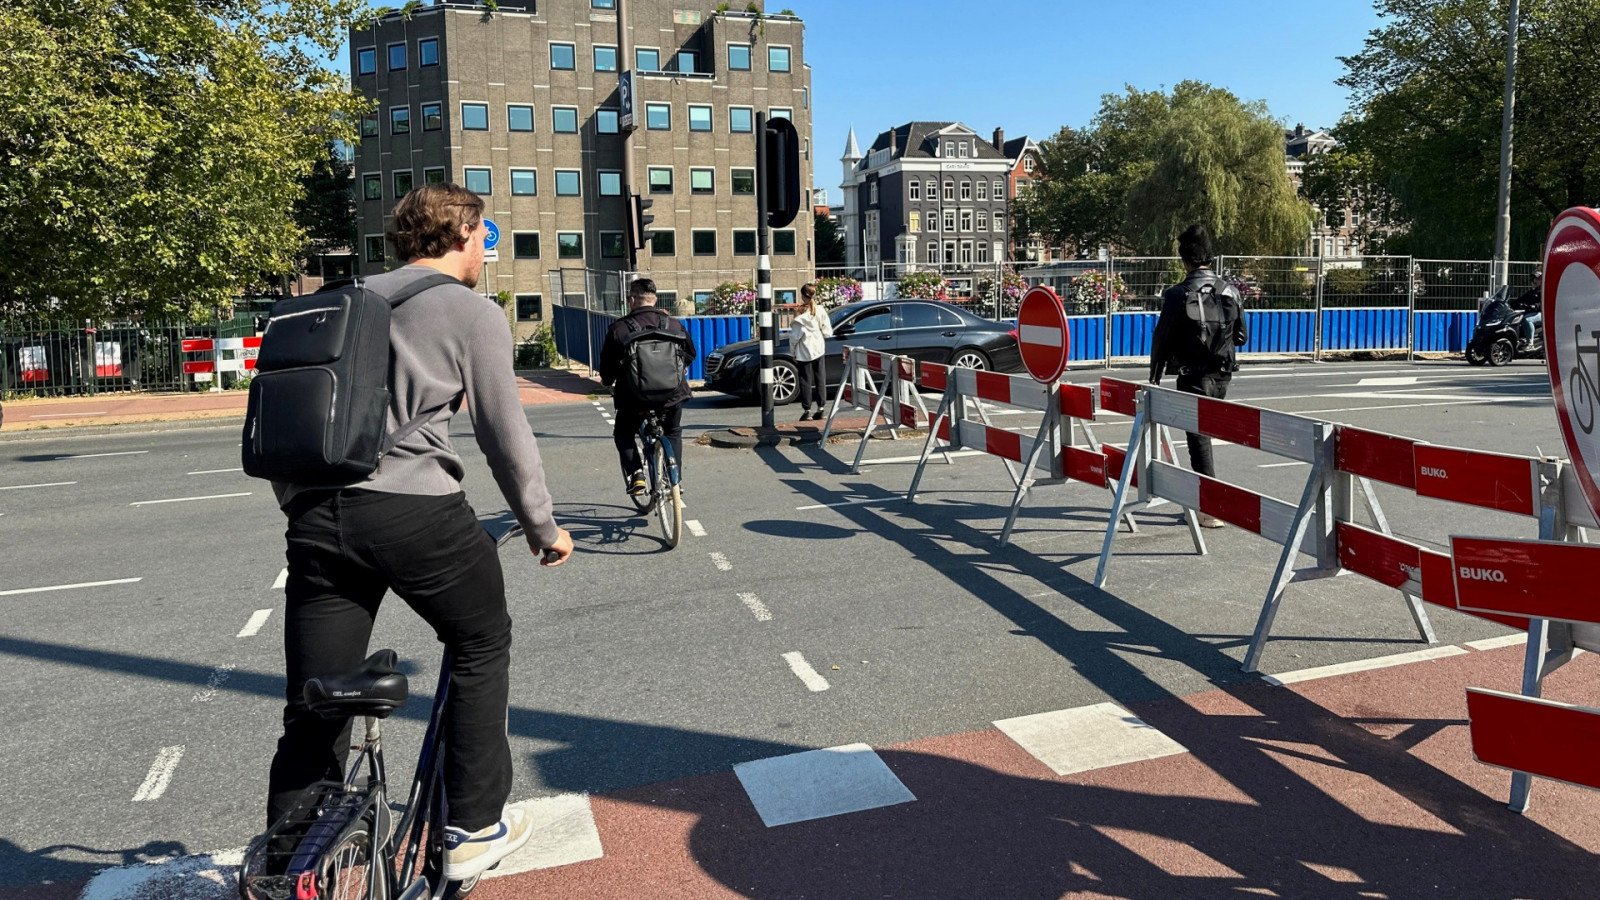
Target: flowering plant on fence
(1011, 287)
(923, 285)
(1093, 292)
(731, 298)
(833, 293)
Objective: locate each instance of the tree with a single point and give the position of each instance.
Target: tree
(1421, 143)
(830, 243)
(326, 210)
(1151, 164)
(151, 154)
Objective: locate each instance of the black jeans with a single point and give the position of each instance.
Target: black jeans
(628, 422)
(813, 387)
(346, 548)
(1212, 385)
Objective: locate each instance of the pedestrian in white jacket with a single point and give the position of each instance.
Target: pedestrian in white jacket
(808, 335)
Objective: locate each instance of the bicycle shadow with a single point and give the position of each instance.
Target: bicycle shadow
(43, 874)
(610, 529)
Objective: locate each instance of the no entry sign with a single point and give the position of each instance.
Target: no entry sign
(1572, 323)
(1042, 334)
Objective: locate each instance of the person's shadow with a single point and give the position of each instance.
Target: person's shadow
(45, 874)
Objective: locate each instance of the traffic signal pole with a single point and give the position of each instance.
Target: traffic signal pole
(768, 334)
(625, 50)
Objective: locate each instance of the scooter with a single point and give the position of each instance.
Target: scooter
(1498, 340)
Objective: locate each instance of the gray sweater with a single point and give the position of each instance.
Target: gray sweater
(450, 345)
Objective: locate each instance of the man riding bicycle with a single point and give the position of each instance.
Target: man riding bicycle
(645, 362)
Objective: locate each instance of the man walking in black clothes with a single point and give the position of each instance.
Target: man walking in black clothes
(1202, 321)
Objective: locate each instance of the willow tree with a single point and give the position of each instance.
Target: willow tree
(1151, 164)
(152, 154)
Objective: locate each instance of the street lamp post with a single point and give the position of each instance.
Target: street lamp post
(1502, 222)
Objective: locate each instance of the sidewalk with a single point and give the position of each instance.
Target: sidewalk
(536, 387)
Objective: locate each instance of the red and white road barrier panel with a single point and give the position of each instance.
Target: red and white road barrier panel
(1547, 582)
(237, 354)
(885, 386)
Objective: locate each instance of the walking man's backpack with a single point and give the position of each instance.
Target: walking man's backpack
(319, 403)
(1213, 326)
(653, 368)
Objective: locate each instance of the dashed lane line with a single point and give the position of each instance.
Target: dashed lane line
(695, 528)
(188, 499)
(216, 471)
(757, 608)
(257, 619)
(68, 587)
(96, 455)
(281, 580)
(799, 666)
(24, 487)
(219, 677)
(155, 783)
(721, 562)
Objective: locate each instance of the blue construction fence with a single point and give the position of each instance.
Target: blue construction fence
(1271, 331)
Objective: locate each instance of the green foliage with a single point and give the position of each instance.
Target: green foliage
(1421, 144)
(326, 210)
(923, 284)
(830, 243)
(1343, 280)
(1151, 164)
(731, 298)
(152, 154)
(721, 8)
(538, 350)
(786, 11)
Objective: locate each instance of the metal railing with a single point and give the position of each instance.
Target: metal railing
(40, 358)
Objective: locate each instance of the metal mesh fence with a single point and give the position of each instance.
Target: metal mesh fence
(54, 359)
(1453, 284)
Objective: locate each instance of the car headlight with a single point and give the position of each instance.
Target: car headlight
(739, 359)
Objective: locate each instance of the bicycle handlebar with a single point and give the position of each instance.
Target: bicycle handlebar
(514, 530)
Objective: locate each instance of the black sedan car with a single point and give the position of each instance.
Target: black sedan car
(925, 330)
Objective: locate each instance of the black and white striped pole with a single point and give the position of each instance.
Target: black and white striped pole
(766, 334)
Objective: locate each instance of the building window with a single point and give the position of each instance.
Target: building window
(705, 242)
(932, 223)
(1027, 163)
(744, 242)
(950, 252)
(914, 222)
(780, 112)
(432, 117)
(872, 192)
(950, 149)
(569, 245)
(367, 61)
(603, 4)
(530, 307)
(433, 175)
(701, 298)
(784, 297)
(612, 245)
(777, 59)
(966, 190)
(478, 180)
(966, 253)
(701, 181)
(949, 220)
(999, 221)
(741, 119)
(569, 183)
(525, 244)
(688, 61)
(605, 58)
(610, 184)
(400, 120)
(564, 119)
(563, 56)
(397, 57)
(983, 190)
(369, 126)
(915, 188)
(966, 220)
(372, 186)
(950, 190)
(805, 98)
(999, 189)
(658, 116)
(739, 57)
(933, 252)
(647, 59)
(742, 181)
(664, 243)
(606, 121)
(699, 118)
(428, 52)
(660, 179)
(983, 219)
(474, 117)
(374, 248)
(783, 242)
(983, 251)
(519, 118)
(524, 183)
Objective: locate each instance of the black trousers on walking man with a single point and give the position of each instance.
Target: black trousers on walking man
(1214, 385)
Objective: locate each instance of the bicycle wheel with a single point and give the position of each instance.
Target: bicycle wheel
(669, 502)
(643, 502)
(348, 872)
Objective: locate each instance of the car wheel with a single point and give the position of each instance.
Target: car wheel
(1501, 353)
(785, 382)
(970, 359)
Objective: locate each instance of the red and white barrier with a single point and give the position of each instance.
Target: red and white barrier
(33, 364)
(883, 384)
(236, 354)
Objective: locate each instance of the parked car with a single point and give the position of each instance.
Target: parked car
(926, 330)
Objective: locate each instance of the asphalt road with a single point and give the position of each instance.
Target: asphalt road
(140, 704)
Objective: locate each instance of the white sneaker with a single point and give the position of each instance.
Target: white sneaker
(468, 855)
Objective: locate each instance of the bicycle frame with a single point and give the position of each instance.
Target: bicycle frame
(426, 806)
(651, 433)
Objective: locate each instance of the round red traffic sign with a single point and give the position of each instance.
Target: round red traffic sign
(1572, 338)
(1042, 334)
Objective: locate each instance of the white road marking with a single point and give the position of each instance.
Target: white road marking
(799, 666)
(23, 487)
(257, 619)
(851, 503)
(1509, 640)
(722, 562)
(757, 608)
(281, 580)
(1362, 665)
(816, 784)
(187, 499)
(67, 415)
(155, 783)
(1404, 379)
(695, 528)
(954, 454)
(68, 587)
(1281, 465)
(216, 471)
(1088, 737)
(563, 833)
(219, 676)
(1463, 402)
(95, 455)
(203, 875)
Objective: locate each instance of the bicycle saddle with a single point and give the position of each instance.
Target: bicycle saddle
(376, 690)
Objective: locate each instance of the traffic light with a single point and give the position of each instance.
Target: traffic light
(783, 172)
(639, 233)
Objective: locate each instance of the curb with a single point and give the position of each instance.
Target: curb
(63, 431)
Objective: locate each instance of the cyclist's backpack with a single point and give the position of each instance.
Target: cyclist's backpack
(1212, 327)
(319, 403)
(653, 367)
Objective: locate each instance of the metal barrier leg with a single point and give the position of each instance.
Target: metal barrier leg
(1419, 613)
(983, 414)
(1285, 570)
(1039, 445)
(872, 424)
(1120, 498)
(838, 397)
(927, 447)
(1532, 674)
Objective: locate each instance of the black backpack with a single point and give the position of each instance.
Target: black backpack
(319, 403)
(654, 370)
(1212, 318)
